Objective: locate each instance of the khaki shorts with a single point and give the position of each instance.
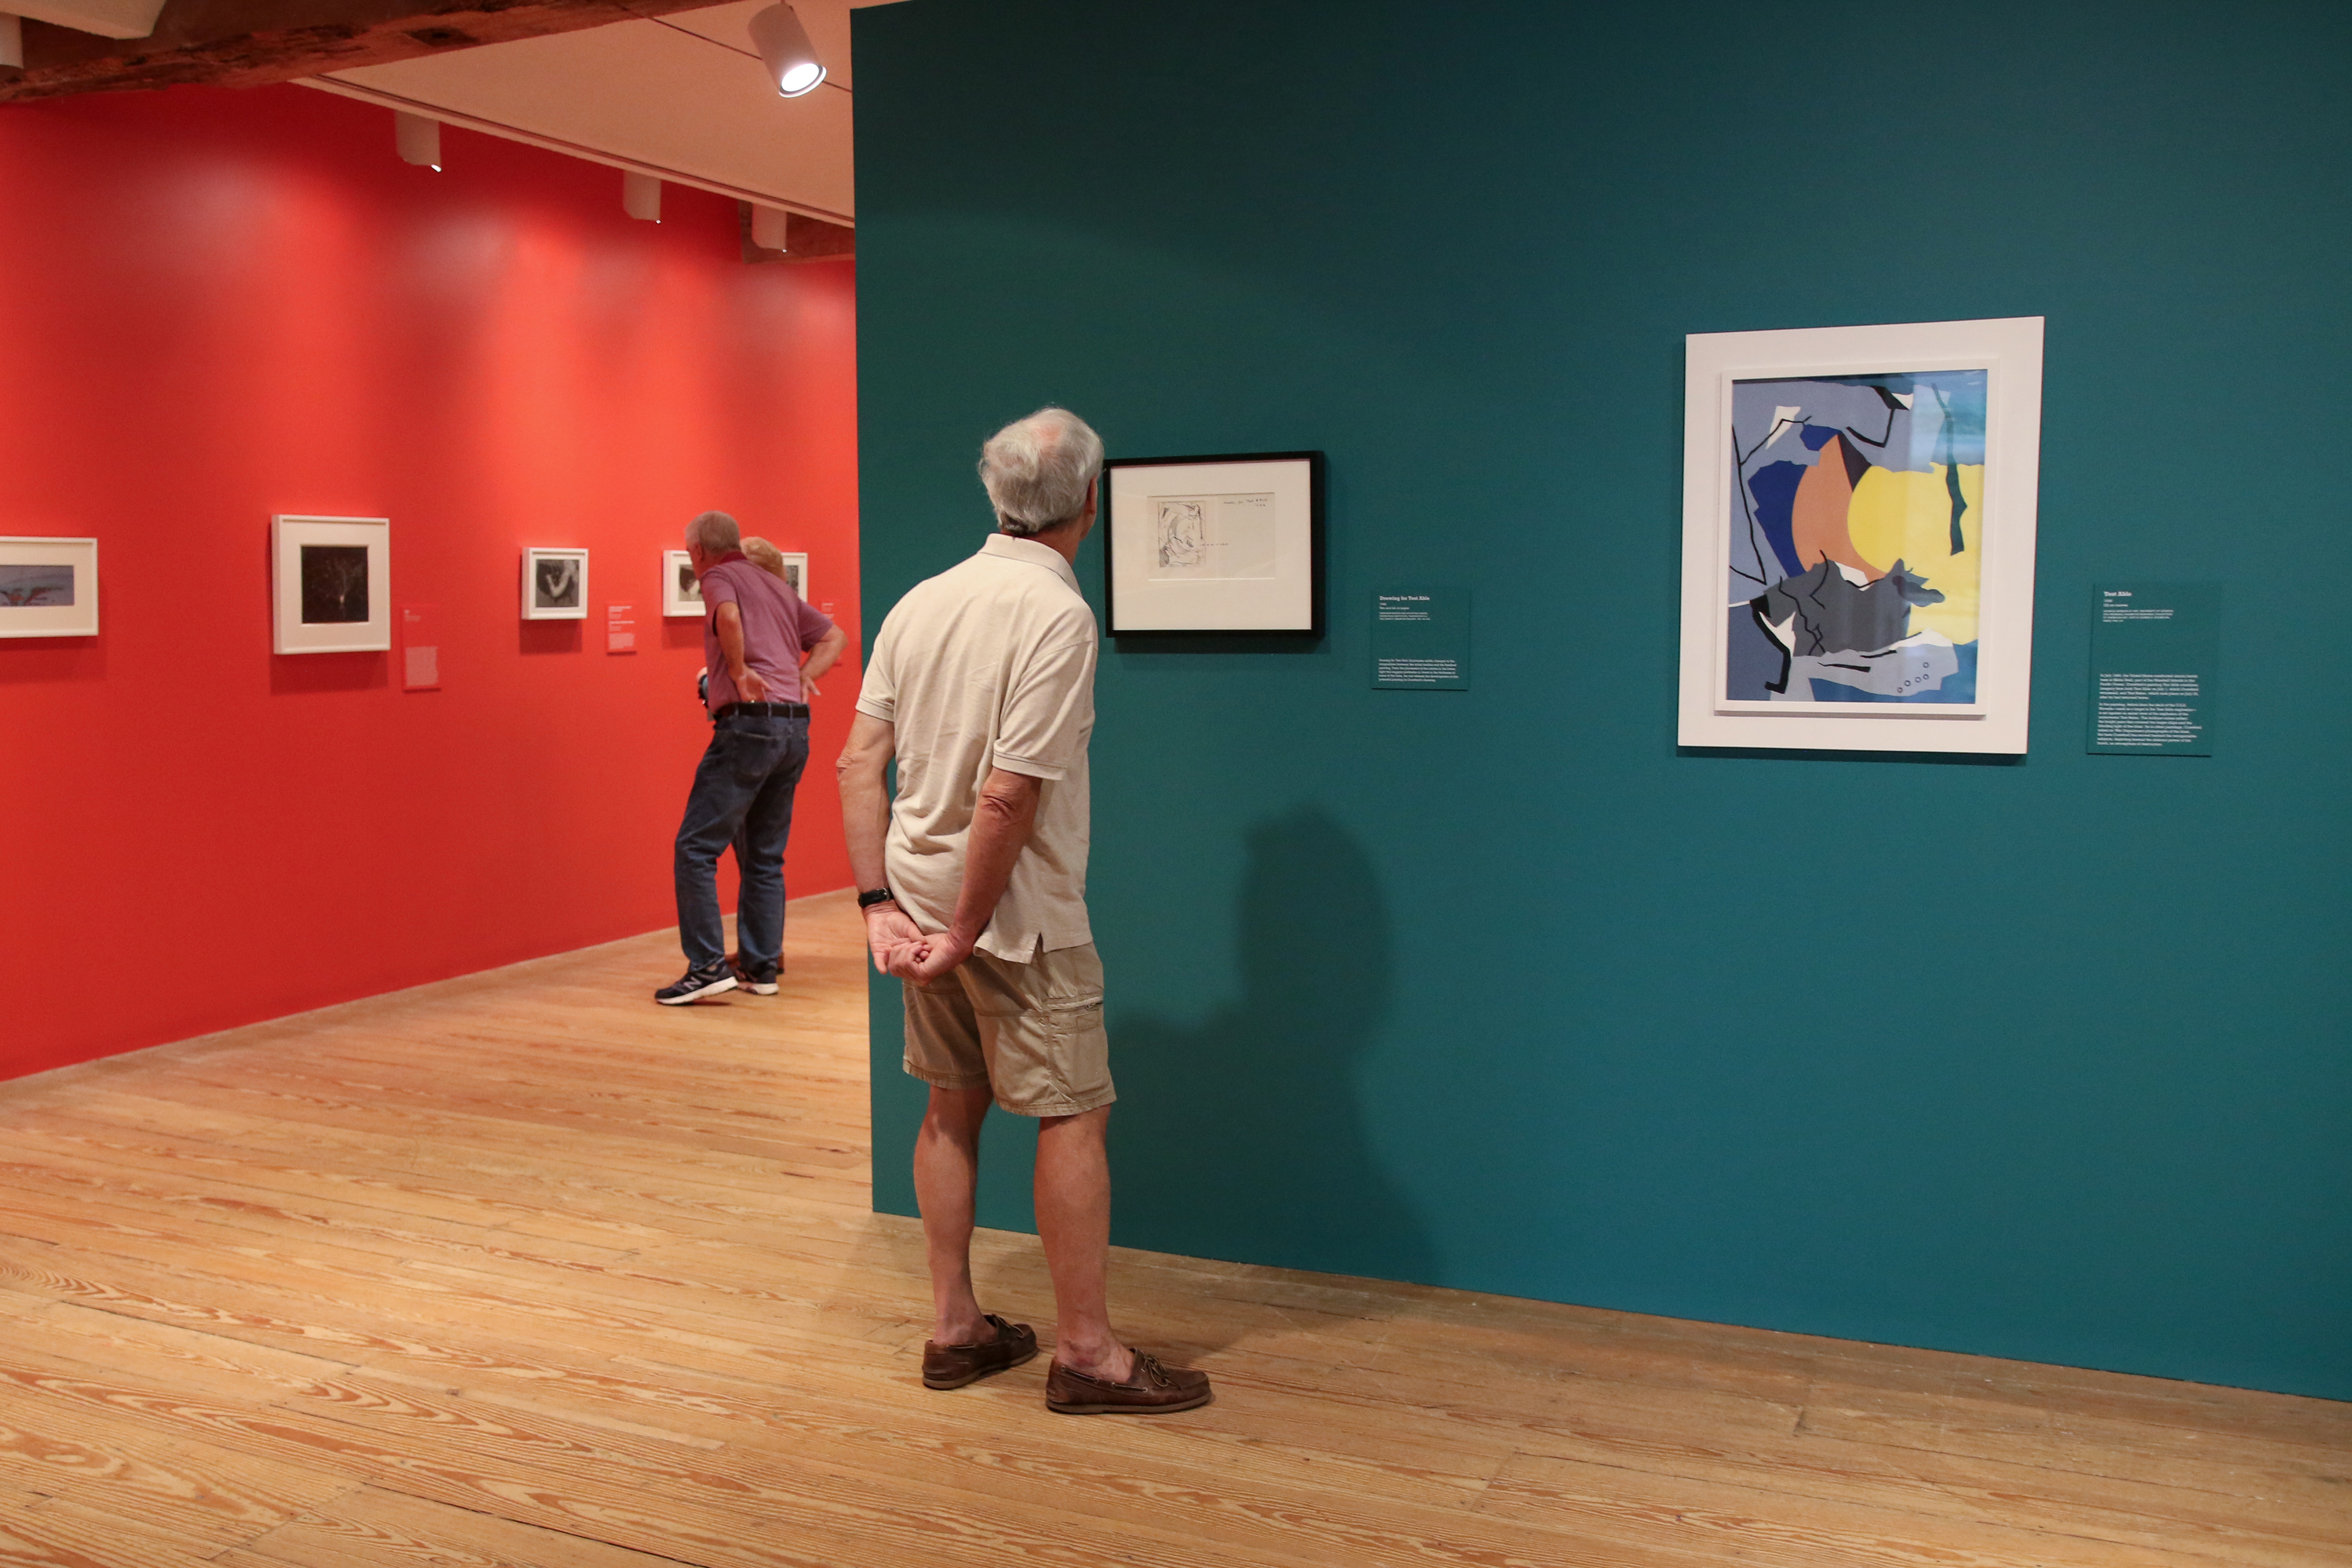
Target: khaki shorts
(1032, 1032)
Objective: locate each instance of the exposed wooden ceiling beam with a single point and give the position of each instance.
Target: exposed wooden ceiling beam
(246, 43)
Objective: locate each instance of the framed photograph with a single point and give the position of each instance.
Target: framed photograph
(1220, 544)
(796, 570)
(48, 588)
(681, 595)
(1858, 512)
(554, 584)
(331, 584)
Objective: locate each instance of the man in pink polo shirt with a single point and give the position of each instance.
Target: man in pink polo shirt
(755, 630)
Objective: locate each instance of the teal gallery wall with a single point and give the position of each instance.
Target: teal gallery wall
(1499, 989)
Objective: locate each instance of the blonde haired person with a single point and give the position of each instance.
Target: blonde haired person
(770, 560)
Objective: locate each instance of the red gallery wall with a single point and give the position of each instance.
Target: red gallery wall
(215, 306)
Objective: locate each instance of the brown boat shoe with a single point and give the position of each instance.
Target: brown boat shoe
(1152, 1388)
(953, 1366)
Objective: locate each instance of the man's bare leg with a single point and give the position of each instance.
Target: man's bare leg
(1073, 1222)
(947, 1176)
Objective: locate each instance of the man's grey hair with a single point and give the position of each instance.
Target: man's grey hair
(1038, 472)
(713, 534)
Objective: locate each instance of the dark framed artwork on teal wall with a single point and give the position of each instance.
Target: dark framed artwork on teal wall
(1858, 536)
(1214, 545)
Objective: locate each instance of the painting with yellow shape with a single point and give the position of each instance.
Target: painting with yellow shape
(1896, 515)
(1856, 531)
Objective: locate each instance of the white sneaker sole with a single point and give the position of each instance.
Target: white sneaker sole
(713, 989)
(759, 987)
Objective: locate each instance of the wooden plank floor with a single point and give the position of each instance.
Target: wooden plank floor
(522, 1269)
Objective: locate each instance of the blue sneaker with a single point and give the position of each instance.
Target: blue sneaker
(748, 981)
(697, 984)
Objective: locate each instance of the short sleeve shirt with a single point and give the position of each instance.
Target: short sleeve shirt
(779, 625)
(990, 664)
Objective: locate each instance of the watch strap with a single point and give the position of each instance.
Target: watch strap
(868, 900)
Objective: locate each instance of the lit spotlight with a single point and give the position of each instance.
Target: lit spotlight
(783, 45)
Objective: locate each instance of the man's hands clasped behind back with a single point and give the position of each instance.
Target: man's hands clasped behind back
(902, 947)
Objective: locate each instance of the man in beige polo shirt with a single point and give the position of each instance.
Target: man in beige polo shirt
(974, 888)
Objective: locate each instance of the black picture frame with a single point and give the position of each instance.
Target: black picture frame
(1313, 629)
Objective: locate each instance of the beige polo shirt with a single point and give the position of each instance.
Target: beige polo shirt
(989, 665)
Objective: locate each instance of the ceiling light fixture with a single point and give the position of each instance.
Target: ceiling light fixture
(641, 195)
(770, 227)
(419, 139)
(783, 45)
(12, 41)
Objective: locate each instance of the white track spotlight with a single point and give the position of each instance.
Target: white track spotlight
(641, 195)
(12, 41)
(419, 139)
(768, 227)
(783, 45)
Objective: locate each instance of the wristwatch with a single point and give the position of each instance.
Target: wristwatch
(878, 896)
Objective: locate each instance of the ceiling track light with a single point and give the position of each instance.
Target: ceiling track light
(770, 227)
(641, 195)
(419, 139)
(785, 47)
(12, 41)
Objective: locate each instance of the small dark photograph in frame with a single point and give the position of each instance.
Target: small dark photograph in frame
(334, 584)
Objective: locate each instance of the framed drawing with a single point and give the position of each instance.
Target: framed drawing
(1218, 544)
(1858, 512)
(48, 588)
(554, 584)
(331, 584)
(681, 595)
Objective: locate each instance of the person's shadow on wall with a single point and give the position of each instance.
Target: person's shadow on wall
(1242, 1138)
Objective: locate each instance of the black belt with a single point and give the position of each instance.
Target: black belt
(764, 710)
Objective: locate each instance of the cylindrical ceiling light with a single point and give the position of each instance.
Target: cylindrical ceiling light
(785, 47)
(769, 225)
(641, 195)
(12, 41)
(419, 139)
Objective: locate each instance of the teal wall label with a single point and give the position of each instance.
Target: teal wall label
(2155, 669)
(1421, 640)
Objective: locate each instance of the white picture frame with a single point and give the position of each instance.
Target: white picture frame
(1214, 545)
(48, 586)
(1787, 558)
(554, 584)
(681, 590)
(796, 570)
(331, 584)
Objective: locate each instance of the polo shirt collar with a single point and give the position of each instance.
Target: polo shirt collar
(1034, 553)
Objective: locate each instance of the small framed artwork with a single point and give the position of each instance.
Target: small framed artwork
(1216, 545)
(796, 570)
(1858, 523)
(331, 584)
(554, 584)
(48, 588)
(681, 589)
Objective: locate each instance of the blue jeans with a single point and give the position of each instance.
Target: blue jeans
(743, 795)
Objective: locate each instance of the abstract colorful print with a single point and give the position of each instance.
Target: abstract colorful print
(1856, 538)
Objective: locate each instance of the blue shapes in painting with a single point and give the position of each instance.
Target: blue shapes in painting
(1960, 688)
(1816, 437)
(1755, 666)
(1773, 487)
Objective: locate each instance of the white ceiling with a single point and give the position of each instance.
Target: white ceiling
(684, 97)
